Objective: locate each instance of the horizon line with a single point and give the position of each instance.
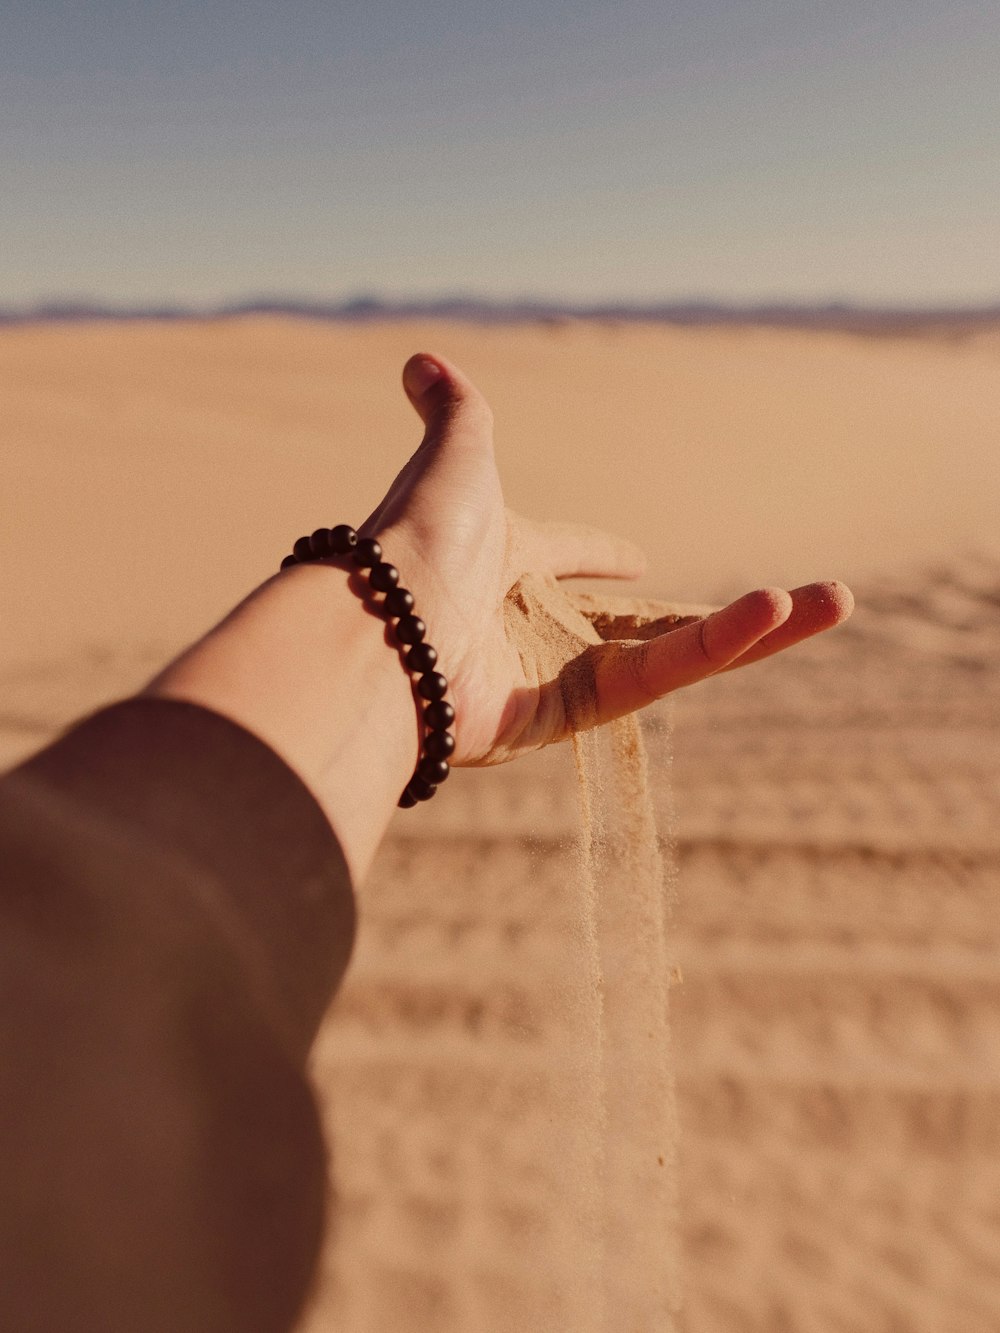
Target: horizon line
(822, 314)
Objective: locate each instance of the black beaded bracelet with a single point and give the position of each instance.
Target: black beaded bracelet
(420, 658)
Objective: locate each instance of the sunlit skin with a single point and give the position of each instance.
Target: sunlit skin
(309, 668)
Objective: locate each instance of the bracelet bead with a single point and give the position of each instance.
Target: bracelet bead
(421, 657)
(319, 543)
(432, 685)
(343, 539)
(439, 715)
(383, 577)
(288, 561)
(433, 770)
(439, 744)
(420, 789)
(398, 602)
(411, 629)
(367, 552)
(302, 550)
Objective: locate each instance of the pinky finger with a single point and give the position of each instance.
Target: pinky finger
(628, 676)
(815, 608)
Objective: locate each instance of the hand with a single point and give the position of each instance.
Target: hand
(303, 663)
(461, 552)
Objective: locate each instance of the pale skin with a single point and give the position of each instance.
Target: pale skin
(307, 667)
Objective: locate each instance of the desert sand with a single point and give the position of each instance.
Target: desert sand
(831, 818)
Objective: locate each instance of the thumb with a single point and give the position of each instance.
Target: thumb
(448, 403)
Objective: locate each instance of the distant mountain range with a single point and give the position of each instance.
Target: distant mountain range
(843, 317)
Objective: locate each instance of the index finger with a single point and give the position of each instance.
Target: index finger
(815, 607)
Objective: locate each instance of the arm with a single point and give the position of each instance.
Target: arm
(305, 666)
(174, 914)
(177, 911)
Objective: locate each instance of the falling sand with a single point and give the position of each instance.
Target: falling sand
(627, 1114)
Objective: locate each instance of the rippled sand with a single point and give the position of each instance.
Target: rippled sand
(837, 814)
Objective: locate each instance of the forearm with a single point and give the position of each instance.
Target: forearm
(306, 666)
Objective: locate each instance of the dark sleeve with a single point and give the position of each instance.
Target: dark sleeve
(175, 914)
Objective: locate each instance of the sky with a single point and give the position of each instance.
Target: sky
(739, 150)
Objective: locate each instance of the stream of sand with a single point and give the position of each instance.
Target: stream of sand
(628, 1114)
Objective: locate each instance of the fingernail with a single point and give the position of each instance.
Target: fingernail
(420, 375)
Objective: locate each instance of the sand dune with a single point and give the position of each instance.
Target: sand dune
(836, 815)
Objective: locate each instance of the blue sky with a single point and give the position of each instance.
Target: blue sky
(762, 149)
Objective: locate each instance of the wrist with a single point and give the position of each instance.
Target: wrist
(377, 581)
